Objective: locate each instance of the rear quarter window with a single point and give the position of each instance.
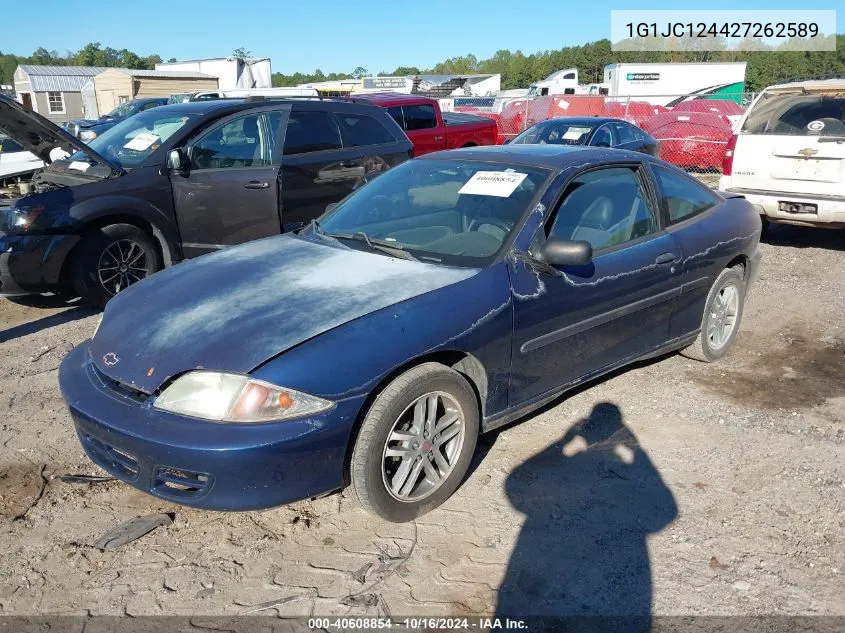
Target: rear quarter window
(359, 130)
(681, 197)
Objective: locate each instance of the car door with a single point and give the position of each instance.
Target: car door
(684, 203)
(316, 167)
(632, 138)
(573, 322)
(229, 193)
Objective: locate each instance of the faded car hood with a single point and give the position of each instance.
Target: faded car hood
(237, 308)
(40, 136)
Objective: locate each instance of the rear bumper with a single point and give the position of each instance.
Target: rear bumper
(831, 209)
(204, 464)
(33, 263)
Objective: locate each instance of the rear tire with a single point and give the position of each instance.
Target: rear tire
(722, 317)
(109, 259)
(410, 456)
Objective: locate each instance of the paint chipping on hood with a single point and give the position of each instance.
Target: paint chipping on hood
(235, 309)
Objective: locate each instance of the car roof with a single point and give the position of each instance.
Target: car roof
(811, 85)
(582, 120)
(553, 156)
(219, 106)
(389, 98)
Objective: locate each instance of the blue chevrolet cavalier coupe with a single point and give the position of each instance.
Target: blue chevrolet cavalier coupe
(449, 296)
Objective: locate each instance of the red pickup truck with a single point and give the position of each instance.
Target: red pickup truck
(428, 128)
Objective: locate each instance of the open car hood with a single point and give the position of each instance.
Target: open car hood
(40, 136)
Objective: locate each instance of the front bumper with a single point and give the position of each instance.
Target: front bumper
(33, 263)
(199, 463)
(830, 209)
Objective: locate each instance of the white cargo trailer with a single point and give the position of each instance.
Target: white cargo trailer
(669, 84)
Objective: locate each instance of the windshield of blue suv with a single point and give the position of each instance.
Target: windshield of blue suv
(453, 212)
(130, 142)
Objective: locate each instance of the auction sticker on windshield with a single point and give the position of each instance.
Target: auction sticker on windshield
(493, 183)
(142, 141)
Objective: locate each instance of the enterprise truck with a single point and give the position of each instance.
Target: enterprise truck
(669, 84)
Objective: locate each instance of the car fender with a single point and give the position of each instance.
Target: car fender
(117, 208)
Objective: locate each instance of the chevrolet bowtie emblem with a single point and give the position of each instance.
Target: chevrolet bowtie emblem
(111, 359)
(808, 151)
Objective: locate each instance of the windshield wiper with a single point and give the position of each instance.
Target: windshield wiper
(376, 245)
(832, 139)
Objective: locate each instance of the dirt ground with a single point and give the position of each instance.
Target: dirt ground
(673, 487)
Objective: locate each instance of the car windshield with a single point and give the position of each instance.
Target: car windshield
(120, 111)
(555, 133)
(131, 141)
(794, 114)
(454, 212)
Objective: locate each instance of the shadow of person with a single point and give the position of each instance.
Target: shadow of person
(590, 501)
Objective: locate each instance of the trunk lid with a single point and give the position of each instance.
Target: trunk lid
(40, 136)
(237, 308)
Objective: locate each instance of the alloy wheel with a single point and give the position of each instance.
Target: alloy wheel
(423, 447)
(122, 263)
(722, 316)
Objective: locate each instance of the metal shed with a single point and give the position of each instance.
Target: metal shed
(54, 91)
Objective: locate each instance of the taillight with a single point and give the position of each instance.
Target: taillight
(728, 158)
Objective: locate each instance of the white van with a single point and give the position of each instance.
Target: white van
(788, 157)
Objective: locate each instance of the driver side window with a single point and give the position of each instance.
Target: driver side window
(606, 207)
(241, 142)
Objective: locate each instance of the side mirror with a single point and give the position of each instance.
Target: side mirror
(506, 141)
(566, 252)
(176, 161)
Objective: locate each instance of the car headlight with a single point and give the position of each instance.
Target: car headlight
(226, 397)
(87, 135)
(20, 219)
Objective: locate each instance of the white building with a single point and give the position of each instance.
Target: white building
(231, 72)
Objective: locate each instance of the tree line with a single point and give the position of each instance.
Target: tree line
(92, 54)
(518, 70)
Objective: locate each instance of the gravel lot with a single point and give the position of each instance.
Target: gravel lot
(673, 486)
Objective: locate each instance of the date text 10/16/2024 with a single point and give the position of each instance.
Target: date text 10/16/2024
(422, 623)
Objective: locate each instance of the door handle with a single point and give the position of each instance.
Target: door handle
(665, 258)
(438, 138)
(256, 184)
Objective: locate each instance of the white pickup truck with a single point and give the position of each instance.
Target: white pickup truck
(788, 156)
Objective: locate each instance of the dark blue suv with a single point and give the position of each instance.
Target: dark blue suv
(89, 129)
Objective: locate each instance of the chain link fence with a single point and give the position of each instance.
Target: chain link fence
(693, 130)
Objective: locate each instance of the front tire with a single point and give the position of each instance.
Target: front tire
(110, 259)
(722, 317)
(415, 444)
